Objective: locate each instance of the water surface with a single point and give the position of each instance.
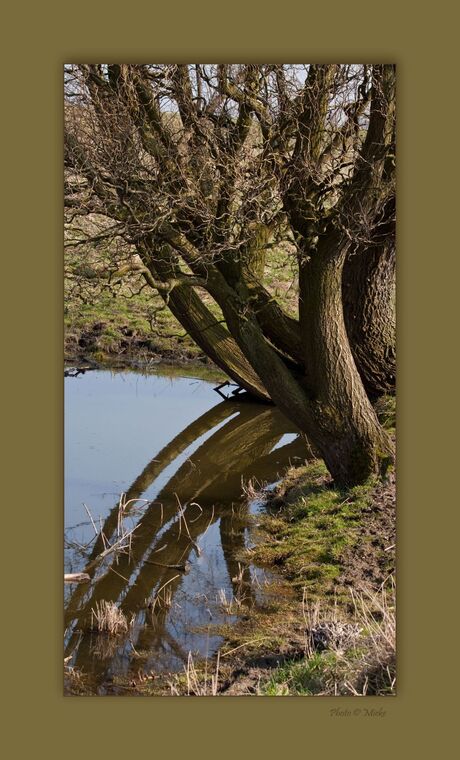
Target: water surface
(166, 457)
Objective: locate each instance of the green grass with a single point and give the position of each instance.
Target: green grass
(359, 659)
(110, 326)
(308, 536)
(386, 412)
(104, 324)
(304, 678)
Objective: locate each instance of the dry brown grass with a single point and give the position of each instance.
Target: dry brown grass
(375, 612)
(198, 681)
(75, 682)
(344, 654)
(163, 599)
(106, 617)
(230, 605)
(364, 645)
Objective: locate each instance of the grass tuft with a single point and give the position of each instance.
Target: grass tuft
(106, 617)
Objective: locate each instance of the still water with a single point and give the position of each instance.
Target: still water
(154, 472)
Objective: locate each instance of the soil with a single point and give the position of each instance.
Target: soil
(372, 559)
(129, 349)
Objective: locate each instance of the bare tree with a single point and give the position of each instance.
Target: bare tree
(190, 174)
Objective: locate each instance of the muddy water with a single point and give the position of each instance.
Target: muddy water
(163, 457)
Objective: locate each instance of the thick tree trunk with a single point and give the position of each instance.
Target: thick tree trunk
(369, 302)
(336, 415)
(353, 443)
(330, 403)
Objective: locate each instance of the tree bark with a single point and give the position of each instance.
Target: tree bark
(352, 442)
(369, 302)
(280, 329)
(214, 340)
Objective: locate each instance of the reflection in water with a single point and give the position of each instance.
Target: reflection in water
(186, 542)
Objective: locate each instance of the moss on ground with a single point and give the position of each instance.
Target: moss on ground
(307, 530)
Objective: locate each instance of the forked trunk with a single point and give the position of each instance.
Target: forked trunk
(213, 338)
(331, 406)
(352, 442)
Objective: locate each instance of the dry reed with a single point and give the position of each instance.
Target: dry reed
(108, 618)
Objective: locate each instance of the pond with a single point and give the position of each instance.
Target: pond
(156, 515)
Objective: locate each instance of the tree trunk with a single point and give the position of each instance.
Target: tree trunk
(352, 442)
(335, 414)
(329, 403)
(368, 289)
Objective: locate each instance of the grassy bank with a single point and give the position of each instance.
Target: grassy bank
(121, 329)
(128, 323)
(330, 628)
(334, 551)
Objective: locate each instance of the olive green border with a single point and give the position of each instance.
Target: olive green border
(39, 38)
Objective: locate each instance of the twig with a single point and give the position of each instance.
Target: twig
(161, 589)
(182, 568)
(91, 518)
(111, 549)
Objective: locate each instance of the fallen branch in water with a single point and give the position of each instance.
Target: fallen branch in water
(182, 568)
(76, 578)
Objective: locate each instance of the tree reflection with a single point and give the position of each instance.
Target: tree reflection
(177, 530)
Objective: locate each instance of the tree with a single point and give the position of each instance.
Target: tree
(196, 172)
